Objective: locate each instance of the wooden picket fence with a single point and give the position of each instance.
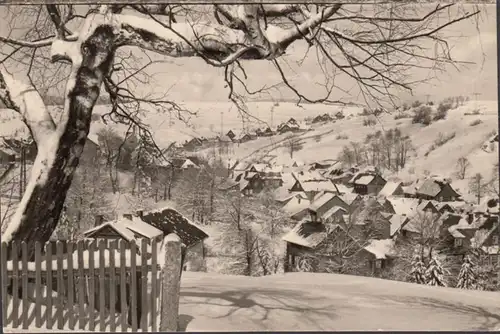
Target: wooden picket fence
(105, 286)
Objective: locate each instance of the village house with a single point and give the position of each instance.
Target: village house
(392, 188)
(251, 184)
(193, 144)
(268, 132)
(322, 118)
(438, 190)
(184, 164)
(128, 227)
(231, 134)
(367, 183)
(311, 185)
(316, 247)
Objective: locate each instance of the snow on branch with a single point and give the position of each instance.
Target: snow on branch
(26, 100)
(216, 42)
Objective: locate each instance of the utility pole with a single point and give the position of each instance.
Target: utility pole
(221, 123)
(476, 94)
(427, 96)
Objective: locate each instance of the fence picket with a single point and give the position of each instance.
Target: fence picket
(48, 290)
(70, 286)
(154, 281)
(123, 286)
(112, 287)
(60, 285)
(91, 289)
(5, 301)
(102, 288)
(144, 285)
(81, 285)
(38, 284)
(15, 285)
(24, 284)
(133, 285)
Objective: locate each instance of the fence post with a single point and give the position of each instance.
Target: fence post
(171, 283)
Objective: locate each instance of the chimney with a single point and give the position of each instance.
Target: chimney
(127, 216)
(139, 213)
(98, 220)
(470, 217)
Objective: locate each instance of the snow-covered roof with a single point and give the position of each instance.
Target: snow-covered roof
(322, 200)
(430, 187)
(396, 222)
(119, 228)
(317, 185)
(294, 206)
(389, 188)
(169, 220)
(138, 226)
(349, 198)
(364, 180)
(307, 234)
(403, 206)
(333, 211)
(258, 167)
(343, 189)
(382, 249)
(455, 232)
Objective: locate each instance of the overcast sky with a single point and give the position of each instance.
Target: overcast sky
(190, 79)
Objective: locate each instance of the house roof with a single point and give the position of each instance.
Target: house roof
(258, 167)
(429, 188)
(169, 221)
(293, 207)
(307, 234)
(424, 204)
(396, 222)
(381, 249)
(455, 233)
(332, 211)
(403, 206)
(389, 188)
(349, 198)
(320, 201)
(119, 228)
(364, 180)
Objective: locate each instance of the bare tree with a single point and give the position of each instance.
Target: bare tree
(478, 186)
(463, 165)
(233, 33)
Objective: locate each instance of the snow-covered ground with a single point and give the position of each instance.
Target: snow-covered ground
(304, 301)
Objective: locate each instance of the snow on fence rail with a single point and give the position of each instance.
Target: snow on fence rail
(105, 286)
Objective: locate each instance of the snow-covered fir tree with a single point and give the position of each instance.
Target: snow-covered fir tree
(418, 270)
(435, 273)
(467, 278)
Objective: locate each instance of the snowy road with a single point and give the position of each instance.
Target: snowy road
(288, 302)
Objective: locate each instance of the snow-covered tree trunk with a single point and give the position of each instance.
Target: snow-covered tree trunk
(59, 147)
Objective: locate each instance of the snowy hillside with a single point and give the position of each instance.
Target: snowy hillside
(470, 141)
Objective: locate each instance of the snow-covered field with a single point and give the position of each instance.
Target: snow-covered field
(305, 301)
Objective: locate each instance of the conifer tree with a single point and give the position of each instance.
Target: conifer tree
(418, 270)
(435, 273)
(467, 278)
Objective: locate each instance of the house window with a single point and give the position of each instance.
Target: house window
(458, 242)
(495, 240)
(378, 264)
(440, 198)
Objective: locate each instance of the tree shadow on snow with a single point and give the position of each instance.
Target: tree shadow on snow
(489, 318)
(269, 301)
(184, 320)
